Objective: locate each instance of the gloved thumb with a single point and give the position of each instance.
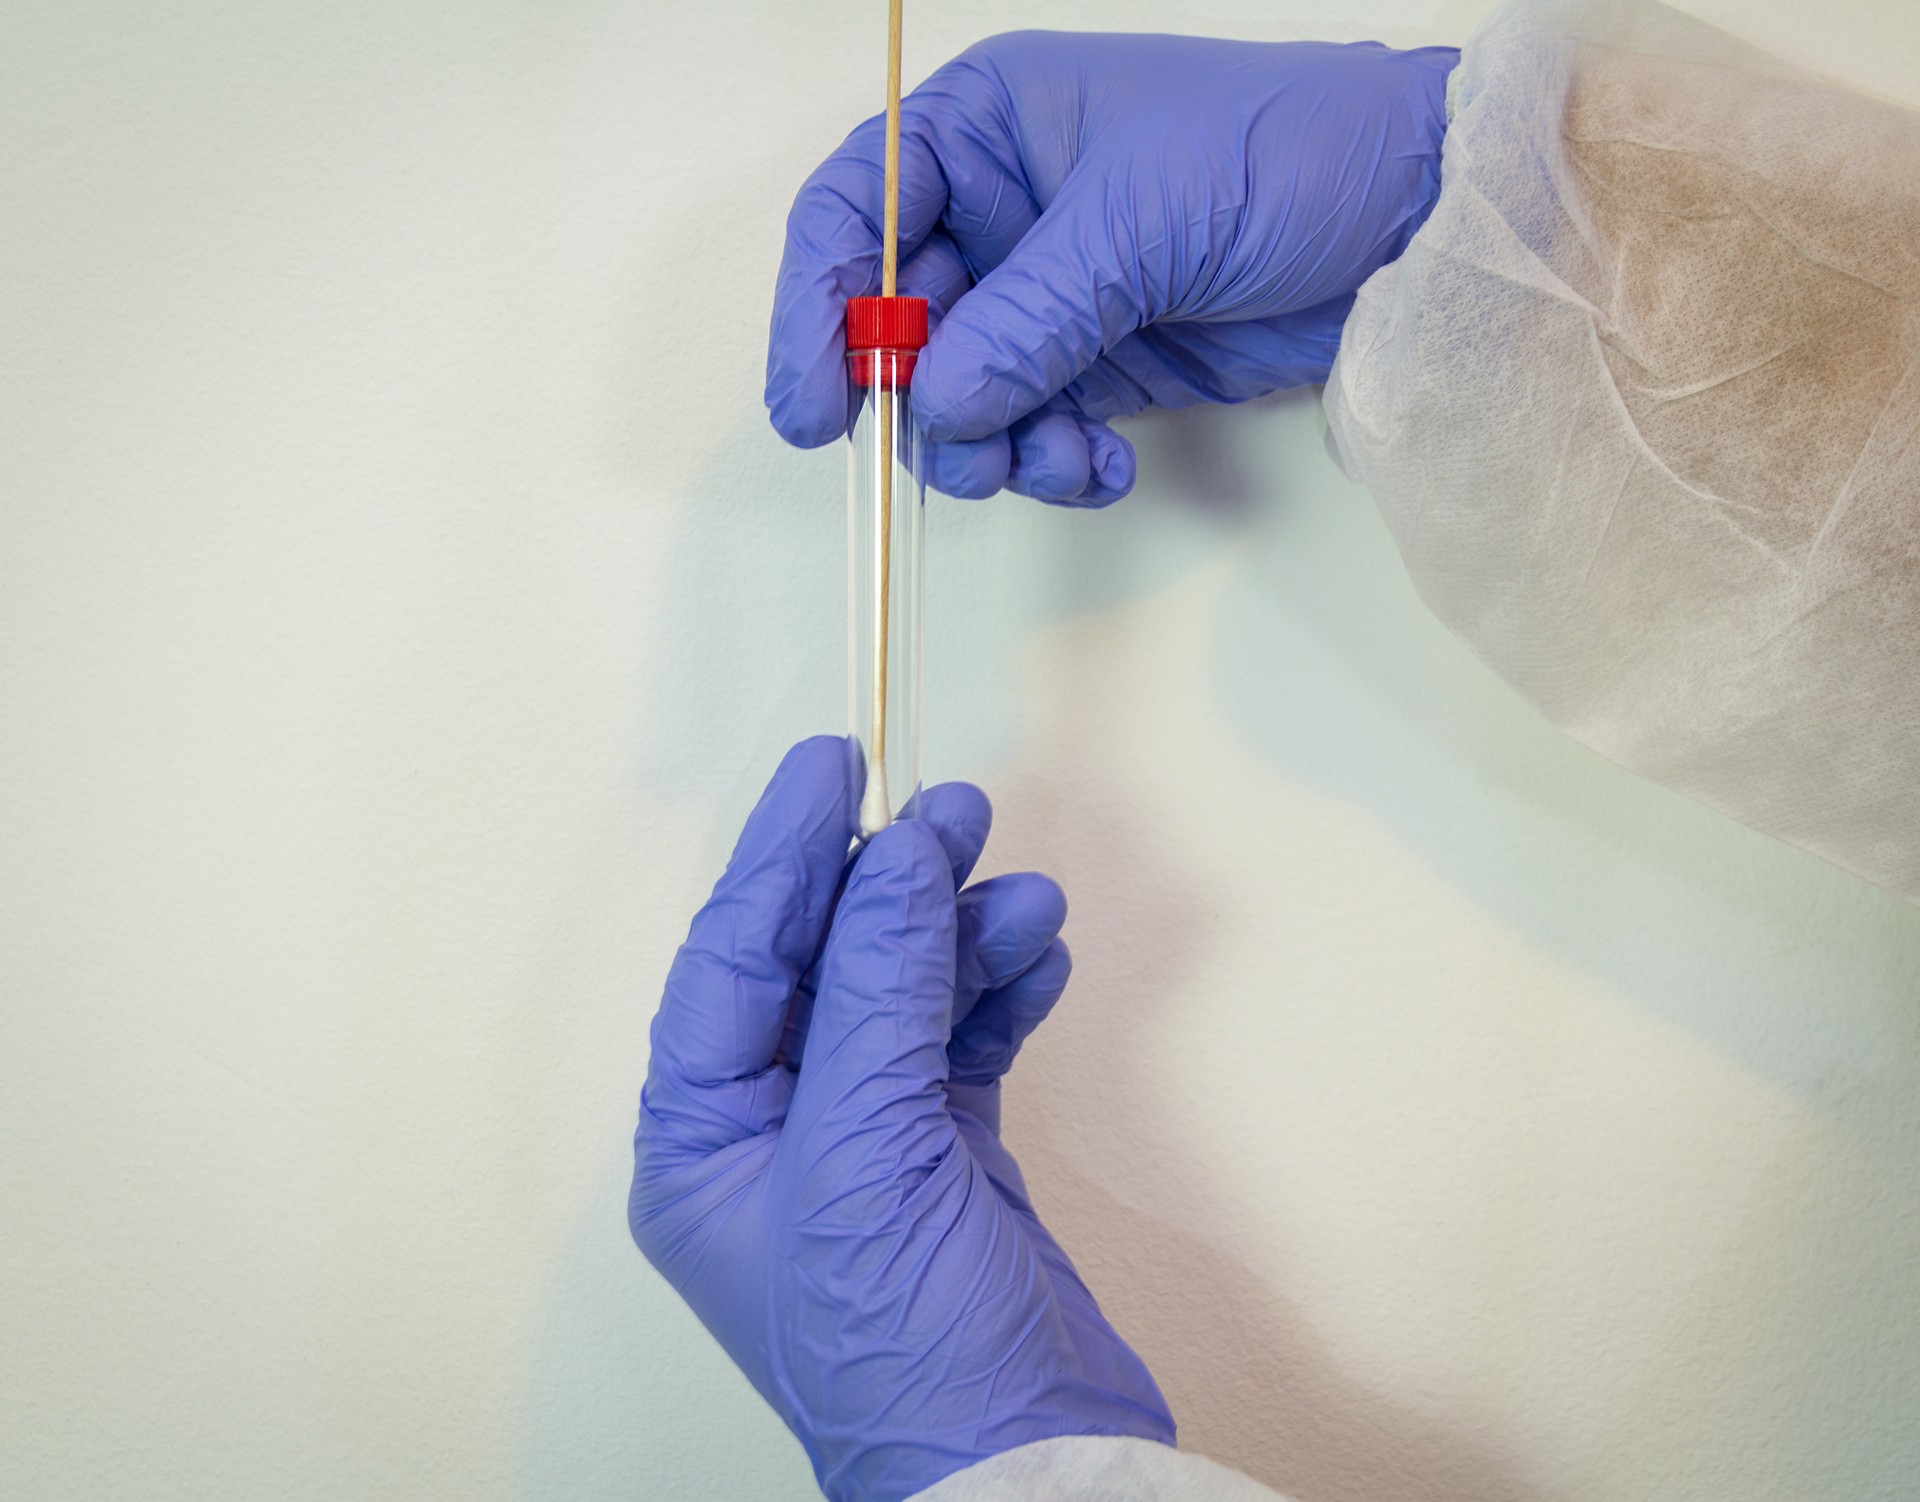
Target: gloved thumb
(1069, 291)
(869, 1109)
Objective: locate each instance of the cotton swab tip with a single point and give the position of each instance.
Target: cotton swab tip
(876, 810)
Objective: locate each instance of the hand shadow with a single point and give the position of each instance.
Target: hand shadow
(1250, 1380)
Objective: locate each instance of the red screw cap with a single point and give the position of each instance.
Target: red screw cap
(895, 324)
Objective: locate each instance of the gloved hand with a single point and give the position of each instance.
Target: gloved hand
(1108, 223)
(818, 1169)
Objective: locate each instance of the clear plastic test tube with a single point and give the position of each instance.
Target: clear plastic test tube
(886, 510)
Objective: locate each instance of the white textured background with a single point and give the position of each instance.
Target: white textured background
(402, 598)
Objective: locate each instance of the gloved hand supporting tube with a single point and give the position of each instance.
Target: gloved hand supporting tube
(818, 1169)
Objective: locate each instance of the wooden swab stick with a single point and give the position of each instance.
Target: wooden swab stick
(890, 235)
(889, 278)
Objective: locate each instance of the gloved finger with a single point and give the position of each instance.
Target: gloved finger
(1065, 458)
(709, 1076)
(970, 471)
(1051, 461)
(1006, 924)
(960, 817)
(1070, 290)
(947, 156)
(1112, 461)
(869, 1114)
(985, 1042)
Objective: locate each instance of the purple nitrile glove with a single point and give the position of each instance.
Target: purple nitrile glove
(1104, 224)
(818, 1168)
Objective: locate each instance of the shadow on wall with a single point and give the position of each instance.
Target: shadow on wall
(1250, 1381)
(1799, 971)
(747, 644)
(1254, 1386)
(1700, 920)
(1793, 970)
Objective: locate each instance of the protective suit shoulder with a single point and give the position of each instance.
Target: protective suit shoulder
(1641, 406)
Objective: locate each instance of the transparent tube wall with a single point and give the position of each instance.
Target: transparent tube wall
(886, 495)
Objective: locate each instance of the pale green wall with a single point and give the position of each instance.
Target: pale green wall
(401, 599)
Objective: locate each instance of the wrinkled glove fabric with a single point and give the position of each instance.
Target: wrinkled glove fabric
(818, 1168)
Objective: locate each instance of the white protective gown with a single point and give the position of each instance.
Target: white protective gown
(1641, 405)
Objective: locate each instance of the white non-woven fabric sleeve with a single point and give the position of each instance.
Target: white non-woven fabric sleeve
(1641, 406)
(1097, 1469)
